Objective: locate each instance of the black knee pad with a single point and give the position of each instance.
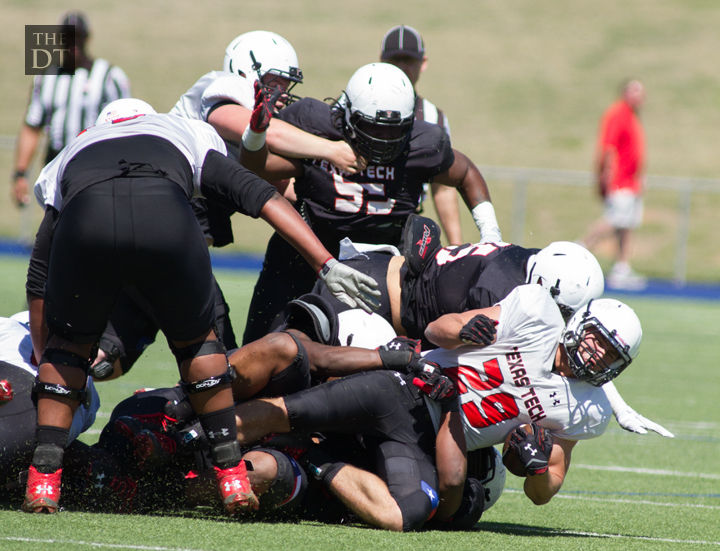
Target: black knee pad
(57, 356)
(290, 485)
(203, 348)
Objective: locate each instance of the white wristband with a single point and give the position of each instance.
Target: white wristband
(484, 216)
(253, 141)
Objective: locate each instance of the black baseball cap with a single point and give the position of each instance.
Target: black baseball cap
(79, 21)
(402, 41)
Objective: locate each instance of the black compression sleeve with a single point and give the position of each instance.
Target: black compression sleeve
(40, 256)
(229, 183)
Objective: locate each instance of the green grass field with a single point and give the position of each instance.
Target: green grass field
(623, 492)
(523, 84)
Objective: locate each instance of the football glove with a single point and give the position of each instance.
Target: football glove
(399, 353)
(438, 387)
(632, 421)
(533, 449)
(264, 108)
(350, 286)
(480, 330)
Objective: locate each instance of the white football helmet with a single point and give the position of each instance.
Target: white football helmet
(377, 110)
(256, 53)
(124, 108)
(570, 273)
(618, 324)
(358, 328)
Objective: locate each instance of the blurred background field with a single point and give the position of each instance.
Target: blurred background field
(523, 84)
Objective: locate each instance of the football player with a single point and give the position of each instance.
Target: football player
(375, 115)
(18, 370)
(416, 289)
(141, 169)
(513, 363)
(226, 99)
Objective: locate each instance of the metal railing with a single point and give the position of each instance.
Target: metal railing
(522, 178)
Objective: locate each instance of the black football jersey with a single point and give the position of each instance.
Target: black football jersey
(457, 279)
(371, 206)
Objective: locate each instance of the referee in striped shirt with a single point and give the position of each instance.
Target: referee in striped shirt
(64, 104)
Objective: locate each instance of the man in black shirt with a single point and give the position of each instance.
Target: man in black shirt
(375, 116)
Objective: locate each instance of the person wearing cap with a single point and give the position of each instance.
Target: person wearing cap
(403, 47)
(63, 102)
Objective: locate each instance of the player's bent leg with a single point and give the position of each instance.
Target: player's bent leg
(207, 379)
(60, 388)
(411, 480)
(367, 495)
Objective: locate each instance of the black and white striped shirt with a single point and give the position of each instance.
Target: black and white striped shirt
(66, 104)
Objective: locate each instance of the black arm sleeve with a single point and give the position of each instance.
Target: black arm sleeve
(40, 256)
(229, 183)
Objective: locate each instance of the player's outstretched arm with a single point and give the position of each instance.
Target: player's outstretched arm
(628, 418)
(464, 175)
(345, 283)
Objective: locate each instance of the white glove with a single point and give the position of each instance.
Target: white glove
(631, 420)
(628, 418)
(350, 286)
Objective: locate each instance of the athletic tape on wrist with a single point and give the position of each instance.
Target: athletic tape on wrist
(253, 141)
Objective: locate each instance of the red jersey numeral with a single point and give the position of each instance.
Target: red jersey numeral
(494, 408)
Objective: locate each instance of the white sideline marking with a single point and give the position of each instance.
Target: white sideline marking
(620, 500)
(661, 472)
(97, 544)
(545, 532)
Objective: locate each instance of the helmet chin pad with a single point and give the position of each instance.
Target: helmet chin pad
(380, 140)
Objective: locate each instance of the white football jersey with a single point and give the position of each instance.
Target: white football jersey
(191, 137)
(512, 382)
(16, 349)
(213, 88)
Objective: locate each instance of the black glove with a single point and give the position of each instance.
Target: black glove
(399, 353)
(533, 449)
(264, 108)
(479, 330)
(430, 380)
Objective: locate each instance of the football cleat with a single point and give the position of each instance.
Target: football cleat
(235, 490)
(42, 492)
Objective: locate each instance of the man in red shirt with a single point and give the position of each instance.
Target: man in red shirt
(620, 160)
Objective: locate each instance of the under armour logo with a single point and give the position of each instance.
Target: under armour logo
(394, 345)
(529, 448)
(99, 480)
(234, 484)
(212, 435)
(44, 488)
